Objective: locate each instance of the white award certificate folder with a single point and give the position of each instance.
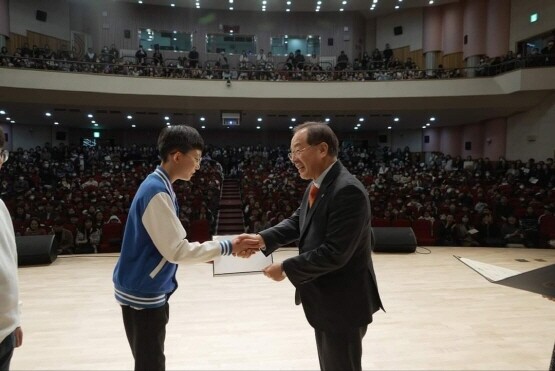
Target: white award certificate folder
(540, 280)
(230, 264)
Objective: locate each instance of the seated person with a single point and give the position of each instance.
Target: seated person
(511, 232)
(87, 238)
(34, 229)
(489, 233)
(63, 237)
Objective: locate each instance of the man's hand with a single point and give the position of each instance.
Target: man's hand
(275, 272)
(245, 245)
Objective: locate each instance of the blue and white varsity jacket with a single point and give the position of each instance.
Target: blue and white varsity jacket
(154, 242)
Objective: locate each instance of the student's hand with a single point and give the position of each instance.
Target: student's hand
(275, 272)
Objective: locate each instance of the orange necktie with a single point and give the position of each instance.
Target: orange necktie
(312, 194)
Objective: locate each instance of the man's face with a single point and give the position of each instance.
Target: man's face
(304, 156)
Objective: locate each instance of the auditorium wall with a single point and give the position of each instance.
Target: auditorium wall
(521, 28)
(23, 18)
(530, 134)
(410, 20)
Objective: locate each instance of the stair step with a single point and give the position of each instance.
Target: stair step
(232, 221)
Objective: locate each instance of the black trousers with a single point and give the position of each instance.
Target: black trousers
(340, 350)
(146, 333)
(552, 365)
(6, 351)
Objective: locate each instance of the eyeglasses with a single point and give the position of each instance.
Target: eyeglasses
(4, 155)
(296, 152)
(196, 159)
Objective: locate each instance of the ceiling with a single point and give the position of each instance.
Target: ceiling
(382, 7)
(411, 114)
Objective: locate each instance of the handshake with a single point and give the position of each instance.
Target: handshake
(245, 245)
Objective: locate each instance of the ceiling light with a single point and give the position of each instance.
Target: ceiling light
(432, 118)
(375, 1)
(344, 2)
(341, 9)
(95, 124)
(356, 128)
(133, 126)
(293, 119)
(264, 2)
(317, 9)
(89, 115)
(258, 127)
(431, 2)
(361, 119)
(13, 121)
(259, 119)
(203, 127)
(8, 119)
(428, 124)
(396, 6)
(140, 1)
(289, 3)
(231, 8)
(48, 114)
(396, 119)
(327, 119)
(202, 118)
(389, 127)
(56, 123)
(129, 117)
(166, 118)
(424, 127)
(2, 112)
(168, 123)
(231, 1)
(287, 10)
(290, 127)
(172, 4)
(358, 125)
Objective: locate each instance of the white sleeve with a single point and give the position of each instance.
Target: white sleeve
(169, 236)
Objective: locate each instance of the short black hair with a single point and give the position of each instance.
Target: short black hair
(182, 138)
(318, 132)
(2, 138)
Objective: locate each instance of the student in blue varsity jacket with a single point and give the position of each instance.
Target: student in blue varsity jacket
(154, 242)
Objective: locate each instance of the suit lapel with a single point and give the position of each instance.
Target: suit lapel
(320, 198)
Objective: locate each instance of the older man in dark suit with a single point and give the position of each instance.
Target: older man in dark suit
(333, 273)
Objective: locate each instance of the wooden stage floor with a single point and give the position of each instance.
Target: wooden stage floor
(440, 316)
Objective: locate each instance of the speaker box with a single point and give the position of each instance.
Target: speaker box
(398, 30)
(330, 41)
(127, 34)
(41, 16)
(35, 250)
(394, 239)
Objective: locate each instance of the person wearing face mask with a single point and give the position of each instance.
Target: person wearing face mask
(11, 335)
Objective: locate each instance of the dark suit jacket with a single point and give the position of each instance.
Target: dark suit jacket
(333, 273)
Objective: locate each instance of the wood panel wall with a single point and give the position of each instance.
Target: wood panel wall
(405, 52)
(33, 38)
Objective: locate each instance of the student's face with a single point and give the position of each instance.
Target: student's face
(188, 163)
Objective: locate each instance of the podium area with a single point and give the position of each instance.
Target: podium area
(441, 315)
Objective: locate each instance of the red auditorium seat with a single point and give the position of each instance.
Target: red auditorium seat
(112, 235)
(199, 231)
(380, 222)
(424, 231)
(401, 223)
(547, 229)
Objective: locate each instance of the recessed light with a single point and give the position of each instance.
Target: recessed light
(327, 119)
(56, 123)
(264, 2)
(356, 127)
(2, 112)
(13, 121)
(259, 119)
(202, 118)
(140, 1)
(432, 118)
(166, 118)
(396, 119)
(172, 4)
(290, 127)
(287, 10)
(344, 2)
(289, 3)
(428, 124)
(396, 6)
(293, 119)
(133, 126)
(168, 123)
(389, 127)
(424, 127)
(231, 8)
(319, 2)
(203, 127)
(231, 1)
(8, 119)
(89, 115)
(431, 2)
(361, 119)
(48, 114)
(258, 127)
(93, 122)
(341, 9)
(129, 117)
